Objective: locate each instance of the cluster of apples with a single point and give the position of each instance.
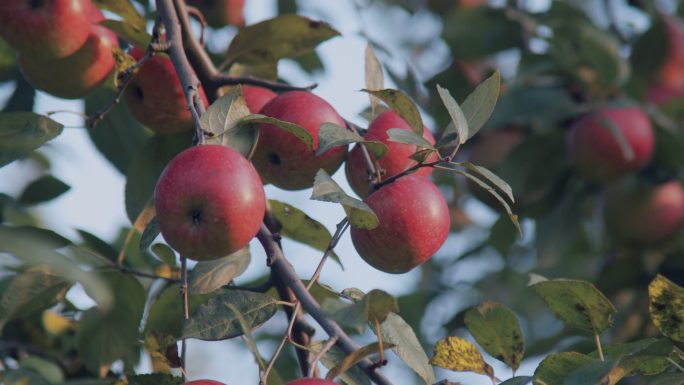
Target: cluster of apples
(62, 48)
(210, 200)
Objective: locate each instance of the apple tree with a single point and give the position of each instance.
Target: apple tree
(544, 137)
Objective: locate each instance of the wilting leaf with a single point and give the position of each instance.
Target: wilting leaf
(496, 329)
(125, 9)
(373, 75)
(667, 307)
(327, 190)
(460, 355)
(129, 32)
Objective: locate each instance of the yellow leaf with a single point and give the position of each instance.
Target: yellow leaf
(460, 355)
(55, 323)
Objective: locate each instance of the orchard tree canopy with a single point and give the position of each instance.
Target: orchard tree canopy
(514, 170)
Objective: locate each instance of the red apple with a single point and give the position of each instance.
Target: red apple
(45, 29)
(395, 161)
(414, 223)
(311, 381)
(219, 13)
(74, 76)
(257, 97)
(643, 215)
(210, 202)
(155, 96)
(596, 152)
(284, 160)
(671, 73)
(660, 95)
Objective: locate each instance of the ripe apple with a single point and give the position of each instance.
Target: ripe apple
(671, 73)
(395, 161)
(311, 381)
(660, 95)
(219, 13)
(257, 97)
(596, 152)
(414, 223)
(74, 76)
(210, 202)
(639, 214)
(45, 29)
(284, 160)
(155, 96)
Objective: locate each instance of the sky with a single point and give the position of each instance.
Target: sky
(96, 199)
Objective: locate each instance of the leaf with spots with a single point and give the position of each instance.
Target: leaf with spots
(496, 329)
(667, 307)
(460, 355)
(579, 303)
(554, 369)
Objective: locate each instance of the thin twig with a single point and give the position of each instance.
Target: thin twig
(341, 227)
(264, 376)
(327, 346)
(222, 79)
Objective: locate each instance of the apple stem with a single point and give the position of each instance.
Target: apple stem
(324, 349)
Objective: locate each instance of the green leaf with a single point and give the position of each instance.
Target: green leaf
(481, 31)
(223, 119)
(129, 32)
(209, 276)
(327, 190)
(407, 346)
(668, 379)
(23, 377)
(146, 166)
(540, 107)
(8, 63)
(299, 227)
(353, 376)
(125, 9)
(497, 330)
(331, 135)
(281, 37)
(373, 75)
(667, 307)
(374, 307)
(46, 369)
(400, 103)
(105, 336)
(154, 379)
(150, 233)
(216, 319)
(491, 178)
(579, 303)
(595, 372)
(165, 253)
(408, 137)
(458, 119)
(555, 368)
(479, 105)
(292, 128)
(43, 189)
(166, 312)
(30, 291)
(23, 132)
(647, 357)
(520, 380)
(119, 136)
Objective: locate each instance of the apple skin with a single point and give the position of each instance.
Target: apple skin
(219, 13)
(642, 215)
(311, 381)
(74, 76)
(284, 160)
(394, 162)
(210, 202)
(671, 72)
(597, 154)
(45, 29)
(257, 97)
(660, 95)
(155, 96)
(414, 223)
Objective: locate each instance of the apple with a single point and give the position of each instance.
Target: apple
(45, 29)
(661, 95)
(394, 162)
(671, 72)
(155, 96)
(639, 214)
(284, 160)
(311, 381)
(596, 152)
(74, 76)
(257, 97)
(219, 13)
(210, 202)
(414, 223)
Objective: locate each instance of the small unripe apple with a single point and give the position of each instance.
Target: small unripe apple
(210, 202)
(74, 76)
(284, 160)
(45, 29)
(311, 381)
(156, 98)
(219, 13)
(257, 97)
(639, 214)
(414, 223)
(596, 152)
(394, 162)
